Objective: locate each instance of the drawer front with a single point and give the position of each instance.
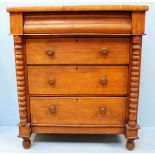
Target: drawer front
(77, 23)
(78, 51)
(78, 111)
(78, 79)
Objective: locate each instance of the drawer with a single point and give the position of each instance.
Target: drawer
(78, 79)
(78, 51)
(78, 111)
(73, 22)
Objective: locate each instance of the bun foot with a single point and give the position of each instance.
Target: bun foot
(130, 145)
(26, 143)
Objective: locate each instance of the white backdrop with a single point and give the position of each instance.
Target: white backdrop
(8, 94)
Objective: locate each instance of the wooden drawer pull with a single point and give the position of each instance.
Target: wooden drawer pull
(103, 80)
(50, 52)
(51, 81)
(52, 109)
(104, 51)
(102, 109)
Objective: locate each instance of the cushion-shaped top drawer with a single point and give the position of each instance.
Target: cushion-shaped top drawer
(77, 23)
(78, 80)
(78, 110)
(78, 51)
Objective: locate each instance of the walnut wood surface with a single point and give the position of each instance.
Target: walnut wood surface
(81, 111)
(78, 79)
(78, 51)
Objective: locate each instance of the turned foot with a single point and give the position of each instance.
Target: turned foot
(26, 143)
(130, 145)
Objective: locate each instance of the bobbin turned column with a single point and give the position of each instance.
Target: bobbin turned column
(132, 126)
(24, 126)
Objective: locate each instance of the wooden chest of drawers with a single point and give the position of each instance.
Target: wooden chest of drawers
(78, 69)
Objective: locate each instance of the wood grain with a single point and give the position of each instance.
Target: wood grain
(77, 22)
(24, 125)
(16, 23)
(77, 51)
(138, 23)
(85, 110)
(134, 80)
(80, 8)
(77, 79)
(20, 74)
(78, 69)
(78, 130)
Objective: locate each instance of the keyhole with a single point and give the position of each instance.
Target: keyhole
(76, 40)
(76, 67)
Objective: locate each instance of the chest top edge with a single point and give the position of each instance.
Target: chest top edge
(80, 8)
(78, 20)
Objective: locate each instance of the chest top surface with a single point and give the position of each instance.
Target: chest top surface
(80, 8)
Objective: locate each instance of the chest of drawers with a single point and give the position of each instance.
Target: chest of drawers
(78, 69)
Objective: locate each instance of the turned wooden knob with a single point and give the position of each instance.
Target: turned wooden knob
(102, 109)
(103, 80)
(52, 109)
(104, 51)
(51, 81)
(50, 52)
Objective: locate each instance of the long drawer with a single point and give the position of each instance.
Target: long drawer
(78, 51)
(73, 22)
(78, 111)
(78, 80)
